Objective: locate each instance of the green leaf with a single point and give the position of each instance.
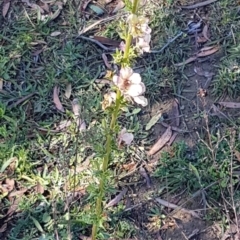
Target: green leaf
(96, 9)
(136, 111)
(153, 121)
(195, 171)
(46, 218)
(37, 224)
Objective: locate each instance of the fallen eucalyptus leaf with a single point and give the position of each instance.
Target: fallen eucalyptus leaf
(68, 90)
(6, 5)
(56, 99)
(205, 32)
(117, 199)
(161, 142)
(119, 6)
(230, 104)
(207, 51)
(189, 60)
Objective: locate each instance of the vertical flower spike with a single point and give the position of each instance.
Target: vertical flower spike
(138, 27)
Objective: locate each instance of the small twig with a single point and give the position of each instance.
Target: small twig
(174, 128)
(173, 206)
(167, 44)
(23, 99)
(197, 5)
(95, 24)
(98, 43)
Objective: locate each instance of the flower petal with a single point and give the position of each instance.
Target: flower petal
(141, 100)
(127, 138)
(126, 72)
(135, 90)
(116, 79)
(135, 78)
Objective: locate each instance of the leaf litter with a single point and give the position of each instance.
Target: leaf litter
(56, 99)
(161, 141)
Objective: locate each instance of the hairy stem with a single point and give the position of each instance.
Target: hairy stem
(110, 139)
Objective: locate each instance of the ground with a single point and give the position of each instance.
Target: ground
(51, 69)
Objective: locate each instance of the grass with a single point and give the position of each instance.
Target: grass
(55, 172)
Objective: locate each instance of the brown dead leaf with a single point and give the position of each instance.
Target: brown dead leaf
(237, 154)
(189, 60)
(56, 99)
(230, 104)
(144, 174)
(204, 52)
(117, 199)
(39, 188)
(82, 237)
(205, 32)
(129, 166)
(201, 39)
(104, 57)
(172, 138)
(17, 193)
(75, 107)
(161, 142)
(119, 6)
(6, 5)
(107, 41)
(9, 184)
(85, 4)
(63, 124)
(175, 111)
(44, 6)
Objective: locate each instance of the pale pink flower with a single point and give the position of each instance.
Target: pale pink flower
(131, 85)
(125, 138)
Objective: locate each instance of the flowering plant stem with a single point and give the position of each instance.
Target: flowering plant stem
(110, 138)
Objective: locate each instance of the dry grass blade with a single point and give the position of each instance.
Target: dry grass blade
(56, 99)
(117, 199)
(161, 142)
(197, 5)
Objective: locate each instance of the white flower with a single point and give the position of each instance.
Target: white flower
(131, 85)
(143, 43)
(138, 26)
(125, 138)
(109, 98)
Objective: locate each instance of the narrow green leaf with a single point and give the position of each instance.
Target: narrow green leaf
(153, 121)
(37, 224)
(96, 9)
